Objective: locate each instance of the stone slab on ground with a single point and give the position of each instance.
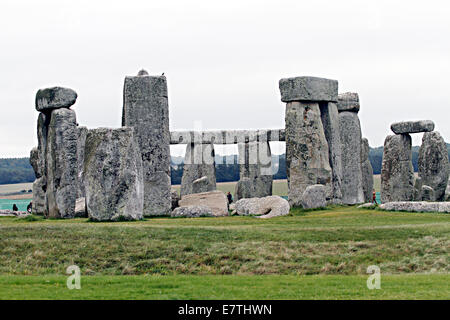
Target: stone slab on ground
(215, 200)
(266, 207)
(422, 206)
(314, 197)
(192, 212)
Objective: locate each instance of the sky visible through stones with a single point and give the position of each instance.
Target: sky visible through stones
(223, 60)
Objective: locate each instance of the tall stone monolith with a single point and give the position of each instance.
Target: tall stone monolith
(199, 162)
(350, 134)
(397, 173)
(61, 157)
(433, 163)
(255, 171)
(366, 170)
(81, 142)
(146, 109)
(113, 175)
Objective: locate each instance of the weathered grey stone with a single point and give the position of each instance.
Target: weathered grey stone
(366, 170)
(35, 162)
(175, 198)
(39, 206)
(397, 174)
(427, 193)
(113, 175)
(412, 126)
(267, 207)
(330, 121)
(11, 213)
(81, 142)
(442, 207)
(192, 212)
(199, 162)
(418, 189)
(61, 192)
(227, 136)
(307, 155)
(314, 197)
(433, 163)
(350, 133)
(447, 191)
(215, 200)
(80, 208)
(308, 89)
(42, 134)
(55, 98)
(368, 205)
(255, 170)
(200, 185)
(348, 101)
(146, 109)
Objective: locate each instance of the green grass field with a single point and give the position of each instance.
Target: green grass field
(315, 254)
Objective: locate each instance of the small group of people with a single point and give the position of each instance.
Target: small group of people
(29, 207)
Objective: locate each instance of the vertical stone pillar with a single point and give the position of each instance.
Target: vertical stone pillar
(350, 133)
(81, 143)
(366, 170)
(433, 164)
(330, 121)
(255, 170)
(199, 162)
(397, 173)
(307, 151)
(146, 109)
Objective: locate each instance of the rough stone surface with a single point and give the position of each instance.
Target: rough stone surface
(350, 133)
(267, 207)
(307, 155)
(348, 101)
(433, 163)
(443, 207)
(81, 142)
(61, 157)
(366, 170)
(367, 205)
(39, 206)
(330, 121)
(192, 212)
(418, 189)
(35, 162)
(215, 200)
(55, 98)
(314, 197)
(200, 185)
(199, 162)
(447, 191)
(308, 89)
(146, 109)
(113, 175)
(227, 136)
(397, 173)
(412, 126)
(175, 198)
(427, 193)
(255, 170)
(80, 208)
(42, 134)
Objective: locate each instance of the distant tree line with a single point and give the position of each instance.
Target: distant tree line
(19, 170)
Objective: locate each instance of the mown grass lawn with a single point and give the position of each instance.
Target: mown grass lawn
(332, 247)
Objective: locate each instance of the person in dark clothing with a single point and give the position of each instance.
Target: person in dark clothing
(15, 207)
(229, 197)
(374, 197)
(30, 207)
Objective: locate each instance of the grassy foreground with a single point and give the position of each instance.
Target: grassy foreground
(315, 254)
(226, 287)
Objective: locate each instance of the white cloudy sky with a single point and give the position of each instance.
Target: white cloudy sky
(223, 59)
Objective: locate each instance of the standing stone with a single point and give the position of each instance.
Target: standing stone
(427, 193)
(175, 198)
(330, 121)
(62, 164)
(418, 189)
(255, 170)
(307, 155)
(39, 206)
(146, 109)
(55, 98)
(433, 163)
(314, 197)
(397, 173)
(350, 132)
(81, 142)
(447, 191)
(199, 162)
(113, 175)
(35, 162)
(367, 170)
(200, 185)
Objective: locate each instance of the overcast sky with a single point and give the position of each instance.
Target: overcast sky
(223, 60)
